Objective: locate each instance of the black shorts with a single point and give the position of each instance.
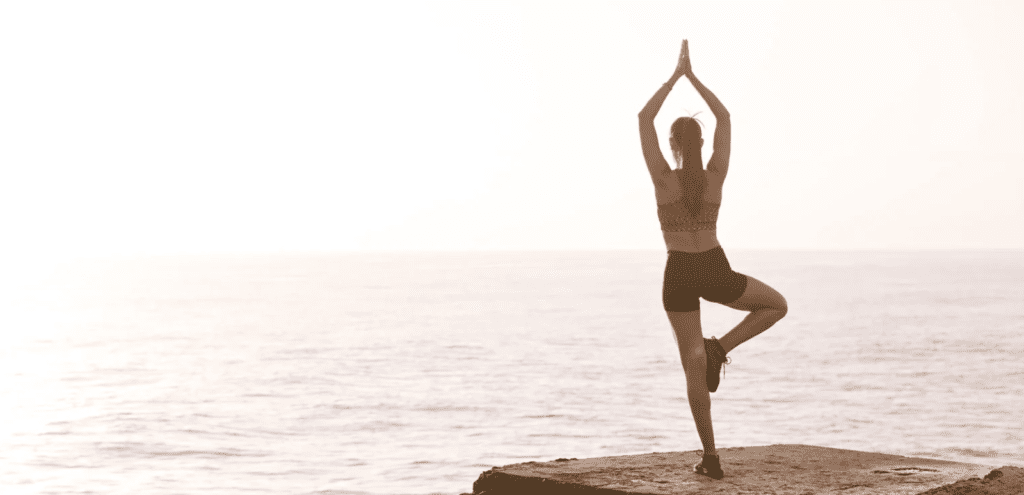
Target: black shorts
(707, 274)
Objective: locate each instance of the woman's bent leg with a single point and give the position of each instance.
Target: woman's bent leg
(691, 350)
(766, 307)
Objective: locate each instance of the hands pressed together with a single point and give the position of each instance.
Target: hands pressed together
(683, 68)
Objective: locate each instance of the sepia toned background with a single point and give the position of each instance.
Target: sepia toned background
(263, 127)
(379, 247)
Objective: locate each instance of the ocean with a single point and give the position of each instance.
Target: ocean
(411, 373)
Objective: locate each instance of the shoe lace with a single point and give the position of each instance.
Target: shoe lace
(722, 358)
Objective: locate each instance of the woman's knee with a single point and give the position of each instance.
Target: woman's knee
(695, 358)
(775, 313)
(774, 310)
(782, 307)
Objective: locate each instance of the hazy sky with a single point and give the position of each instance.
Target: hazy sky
(185, 127)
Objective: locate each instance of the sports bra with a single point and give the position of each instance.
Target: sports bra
(675, 217)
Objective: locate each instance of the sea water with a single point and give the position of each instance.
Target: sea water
(405, 373)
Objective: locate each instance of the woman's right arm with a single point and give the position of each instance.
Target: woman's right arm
(722, 146)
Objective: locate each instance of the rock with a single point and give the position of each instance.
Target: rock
(1007, 480)
(777, 469)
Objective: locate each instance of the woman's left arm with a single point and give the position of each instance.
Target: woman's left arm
(656, 163)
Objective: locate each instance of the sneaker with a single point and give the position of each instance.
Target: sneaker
(710, 466)
(716, 358)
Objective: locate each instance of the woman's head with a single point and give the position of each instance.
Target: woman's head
(685, 140)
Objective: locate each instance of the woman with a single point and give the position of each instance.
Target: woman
(688, 199)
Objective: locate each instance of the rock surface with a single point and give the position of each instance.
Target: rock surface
(1007, 480)
(775, 469)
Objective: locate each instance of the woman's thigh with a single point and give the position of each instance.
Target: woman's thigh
(686, 326)
(758, 295)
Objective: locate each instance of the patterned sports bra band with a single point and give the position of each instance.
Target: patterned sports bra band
(675, 217)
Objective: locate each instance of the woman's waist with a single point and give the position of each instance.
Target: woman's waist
(690, 241)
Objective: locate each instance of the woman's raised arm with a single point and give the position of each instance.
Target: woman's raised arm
(653, 105)
(716, 106)
(719, 162)
(656, 163)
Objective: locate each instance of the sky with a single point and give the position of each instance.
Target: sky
(149, 128)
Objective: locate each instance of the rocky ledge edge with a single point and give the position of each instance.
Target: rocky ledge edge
(775, 469)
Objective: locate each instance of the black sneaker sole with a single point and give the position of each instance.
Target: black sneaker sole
(714, 366)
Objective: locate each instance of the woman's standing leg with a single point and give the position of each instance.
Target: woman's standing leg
(690, 339)
(766, 307)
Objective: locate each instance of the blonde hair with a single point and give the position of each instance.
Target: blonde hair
(686, 136)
